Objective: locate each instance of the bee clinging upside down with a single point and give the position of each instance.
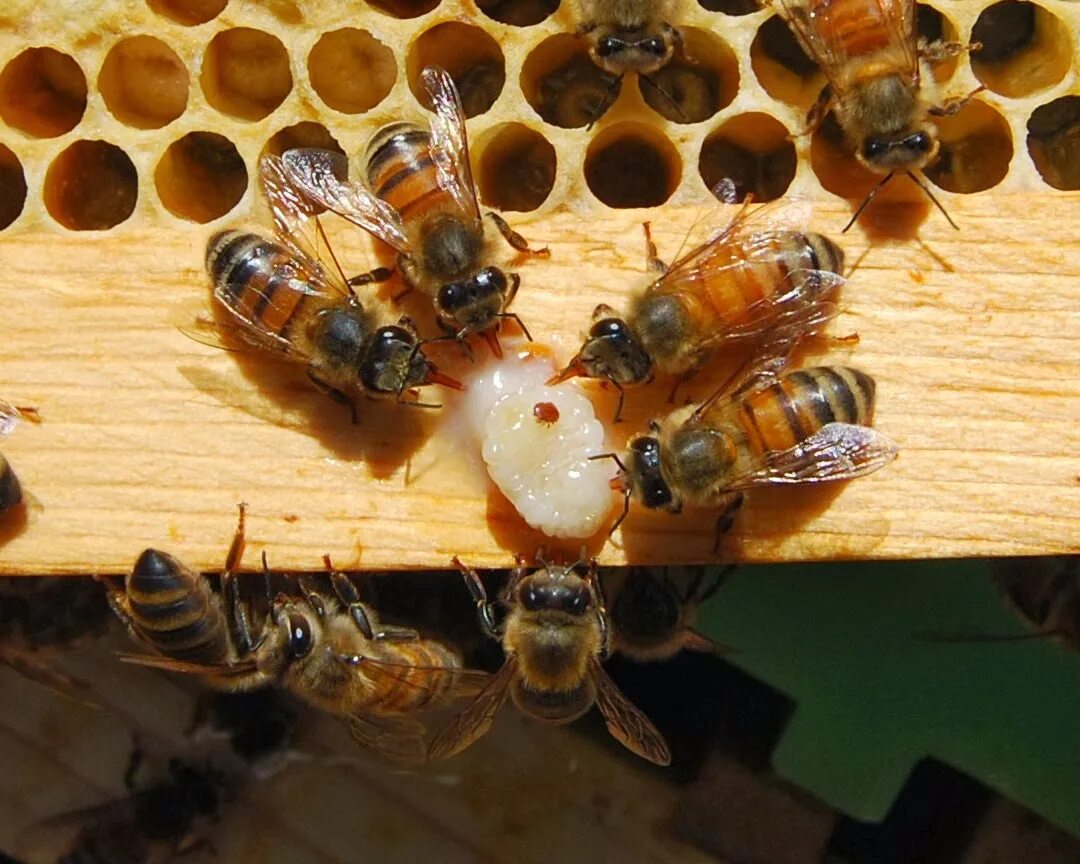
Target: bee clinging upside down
(748, 281)
(555, 636)
(419, 198)
(11, 491)
(282, 299)
(879, 85)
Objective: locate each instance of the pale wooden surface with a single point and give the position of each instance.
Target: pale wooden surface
(149, 438)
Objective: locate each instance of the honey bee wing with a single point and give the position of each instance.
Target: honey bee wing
(398, 739)
(296, 228)
(440, 684)
(9, 417)
(473, 722)
(837, 451)
(899, 19)
(168, 664)
(322, 176)
(757, 371)
(449, 140)
(809, 26)
(626, 723)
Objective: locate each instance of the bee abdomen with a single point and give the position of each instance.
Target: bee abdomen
(175, 610)
(416, 690)
(10, 488)
(401, 171)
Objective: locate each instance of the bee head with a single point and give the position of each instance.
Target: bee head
(645, 478)
(392, 362)
(475, 302)
(638, 51)
(612, 351)
(555, 589)
(883, 155)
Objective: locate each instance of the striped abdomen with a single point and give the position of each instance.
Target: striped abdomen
(414, 686)
(800, 403)
(401, 172)
(175, 610)
(10, 490)
(856, 28)
(259, 282)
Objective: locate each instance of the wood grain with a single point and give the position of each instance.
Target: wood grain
(150, 438)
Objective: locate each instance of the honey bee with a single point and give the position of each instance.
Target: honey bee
(806, 426)
(879, 85)
(282, 299)
(328, 649)
(11, 491)
(420, 199)
(1045, 593)
(555, 636)
(744, 283)
(652, 610)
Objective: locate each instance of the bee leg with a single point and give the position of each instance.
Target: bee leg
(597, 593)
(514, 239)
(817, 113)
(485, 609)
(313, 598)
(350, 598)
(337, 395)
(379, 274)
(622, 398)
(726, 519)
(652, 264)
(603, 311)
(410, 273)
(939, 50)
(952, 106)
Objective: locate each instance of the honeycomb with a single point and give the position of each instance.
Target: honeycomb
(130, 113)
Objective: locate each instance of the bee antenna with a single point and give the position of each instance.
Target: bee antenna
(625, 512)
(867, 200)
(605, 104)
(668, 96)
(613, 456)
(915, 179)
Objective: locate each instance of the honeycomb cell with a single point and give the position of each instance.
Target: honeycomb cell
(1025, 48)
(144, 83)
(245, 73)
(516, 167)
(753, 150)
(518, 13)
(933, 26)
(563, 85)
(833, 161)
(200, 177)
(404, 8)
(351, 70)
(695, 86)
(307, 133)
(471, 56)
(42, 93)
(91, 186)
(632, 165)
(976, 148)
(731, 7)
(782, 67)
(1054, 142)
(12, 187)
(188, 12)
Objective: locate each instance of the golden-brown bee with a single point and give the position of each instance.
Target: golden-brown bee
(328, 649)
(11, 491)
(652, 609)
(555, 636)
(879, 86)
(746, 282)
(282, 299)
(629, 35)
(419, 198)
(807, 426)
(1045, 593)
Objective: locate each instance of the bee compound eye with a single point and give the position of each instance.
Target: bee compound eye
(452, 295)
(531, 597)
(653, 45)
(920, 141)
(609, 45)
(491, 277)
(874, 149)
(608, 327)
(299, 636)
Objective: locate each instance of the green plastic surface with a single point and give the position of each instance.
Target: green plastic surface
(874, 696)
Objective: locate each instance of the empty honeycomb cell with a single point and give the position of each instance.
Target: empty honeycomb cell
(632, 165)
(753, 150)
(697, 84)
(12, 187)
(516, 167)
(144, 83)
(1025, 48)
(189, 12)
(731, 7)
(782, 67)
(518, 13)
(563, 85)
(245, 73)
(200, 177)
(307, 133)
(933, 26)
(351, 70)
(1054, 142)
(833, 161)
(471, 56)
(404, 8)
(42, 93)
(91, 186)
(976, 148)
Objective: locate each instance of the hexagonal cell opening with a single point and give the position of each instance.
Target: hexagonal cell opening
(753, 150)
(404, 8)
(200, 177)
(351, 70)
(91, 186)
(693, 87)
(1025, 48)
(306, 133)
(42, 93)
(12, 187)
(471, 56)
(188, 12)
(516, 167)
(976, 147)
(1054, 142)
(564, 86)
(144, 82)
(782, 67)
(246, 73)
(518, 13)
(632, 165)
(731, 7)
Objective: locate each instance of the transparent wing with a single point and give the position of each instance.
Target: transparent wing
(397, 739)
(756, 372)
(792, 317)
(628, 725)
(476, 719)
(898, 17)
(218, 670)
(322, 176)
(816, 33)
(837, 451)
(449, 142)
(439, 684)
(11, 416)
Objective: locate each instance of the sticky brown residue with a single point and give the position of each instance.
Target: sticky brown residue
(546, 413)
(291, 517)
(917, 277)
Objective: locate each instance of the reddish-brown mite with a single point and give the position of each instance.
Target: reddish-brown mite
(546, 413)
